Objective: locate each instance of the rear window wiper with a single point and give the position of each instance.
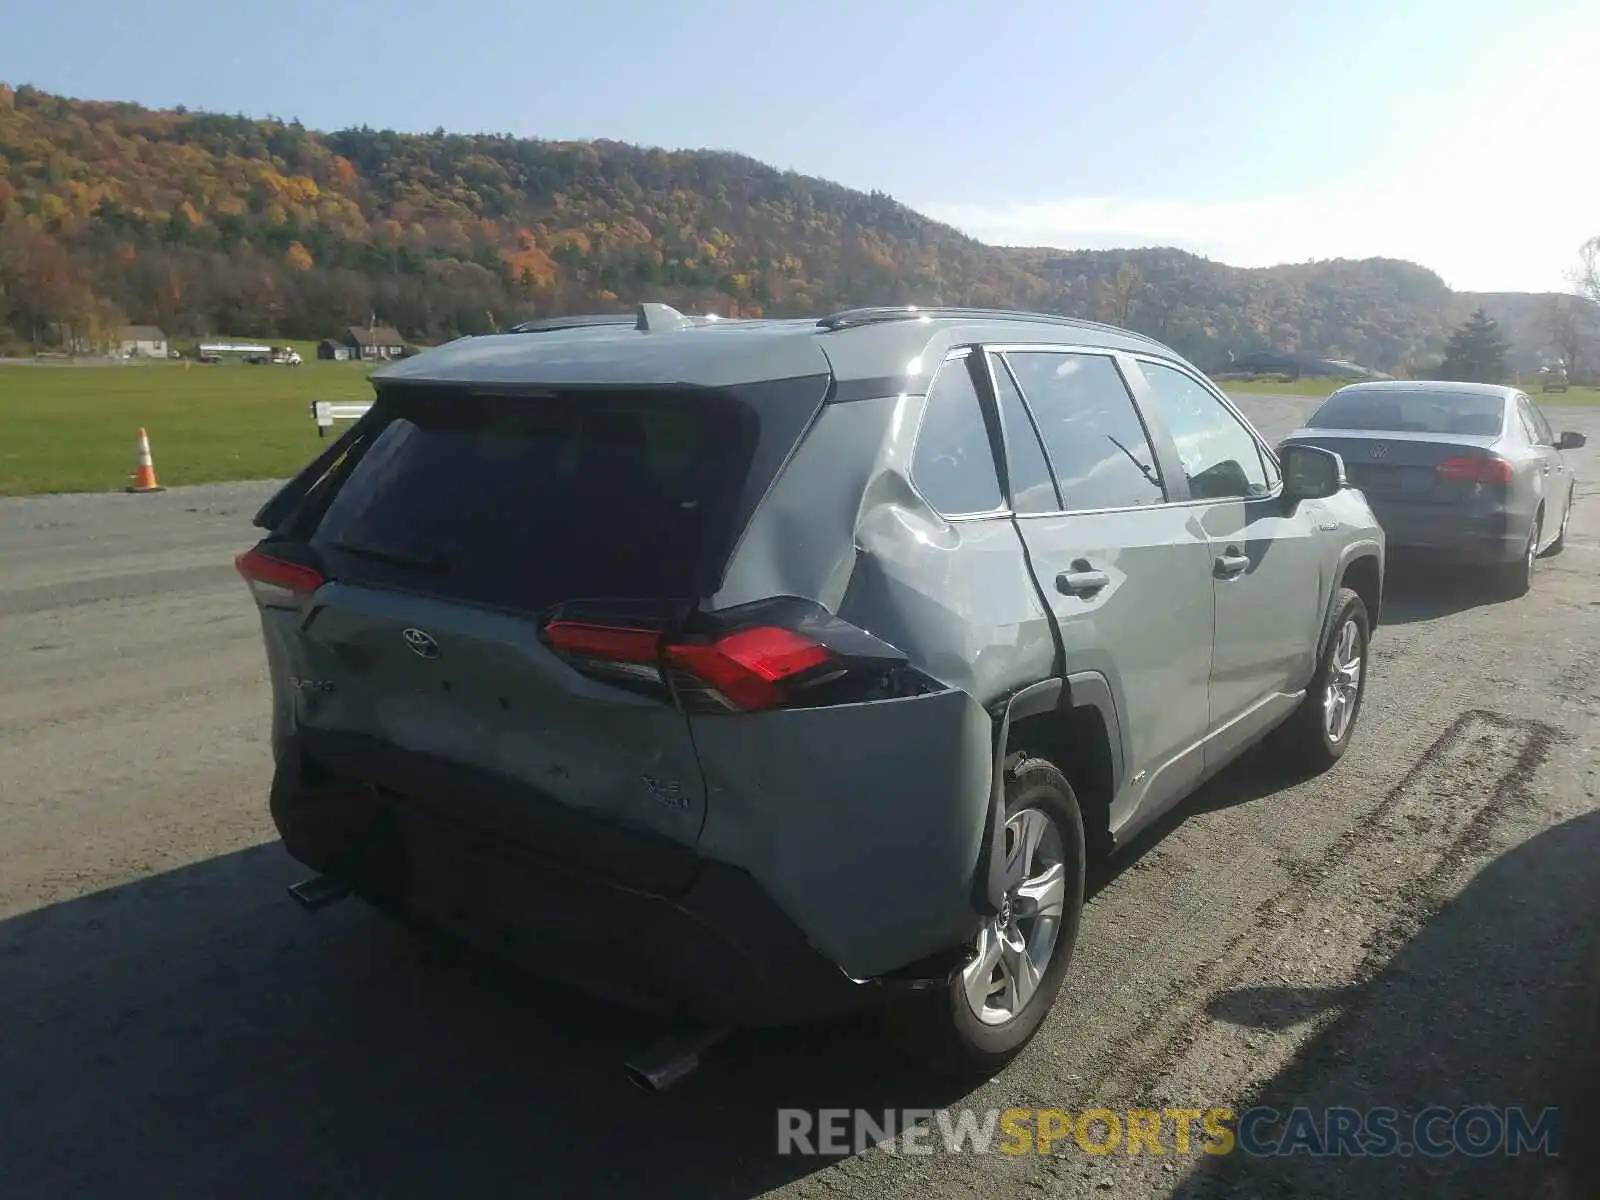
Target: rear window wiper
(434, 563)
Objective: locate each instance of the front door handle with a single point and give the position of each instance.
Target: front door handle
(1083, 580)
(1230, 563)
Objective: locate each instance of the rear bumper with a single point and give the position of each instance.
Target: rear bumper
(707, 944)
(1439, 533)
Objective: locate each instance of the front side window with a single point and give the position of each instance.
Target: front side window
(1220, 457)
(1097, 444)
(953, 466)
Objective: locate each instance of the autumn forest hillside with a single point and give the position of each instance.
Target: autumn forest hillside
(209, 224)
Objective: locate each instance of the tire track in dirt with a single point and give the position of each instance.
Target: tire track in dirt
(1324, 940)
(1432, 834)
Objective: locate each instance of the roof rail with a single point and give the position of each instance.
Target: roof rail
(851, 317)
(646, 318)
(574, 321)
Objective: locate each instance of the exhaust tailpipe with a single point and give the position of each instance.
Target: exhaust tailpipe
(671, 1059)
(318, 892)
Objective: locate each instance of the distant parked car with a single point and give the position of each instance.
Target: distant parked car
(1553, 379)
(1458, 472)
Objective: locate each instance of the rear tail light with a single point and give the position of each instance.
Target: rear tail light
(783, 654)
(275, 582)
(1475, 468)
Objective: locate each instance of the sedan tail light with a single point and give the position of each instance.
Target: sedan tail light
(1475, 468)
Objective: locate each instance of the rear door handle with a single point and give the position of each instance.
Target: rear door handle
(1231, 563)
(1083, 582)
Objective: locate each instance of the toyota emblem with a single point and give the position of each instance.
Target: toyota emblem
(421, 643)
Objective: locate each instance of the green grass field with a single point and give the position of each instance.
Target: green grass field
(72, 429)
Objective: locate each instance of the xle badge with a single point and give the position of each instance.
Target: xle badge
(668, 792)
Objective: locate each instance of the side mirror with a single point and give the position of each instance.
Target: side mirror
(1310, 472)
(1571, 441)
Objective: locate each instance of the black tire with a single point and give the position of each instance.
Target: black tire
(1304, 742)
(941, 1029)
(1560, 544)
(1517, 577)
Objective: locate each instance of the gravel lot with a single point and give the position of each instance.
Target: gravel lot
(1419, 927)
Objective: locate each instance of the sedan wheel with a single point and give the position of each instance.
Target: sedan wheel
(1517, 578)
(1557, 546)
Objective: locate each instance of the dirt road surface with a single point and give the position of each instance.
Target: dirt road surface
(1419, 927)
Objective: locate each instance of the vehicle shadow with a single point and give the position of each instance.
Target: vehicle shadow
(1413, 593)
(1254, 775)
(1493, 1001)
(194, 1033)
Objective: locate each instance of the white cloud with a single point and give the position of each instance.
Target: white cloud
(1480, 235)
(1495, 191)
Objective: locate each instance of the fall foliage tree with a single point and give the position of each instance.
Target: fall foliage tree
(211, 224)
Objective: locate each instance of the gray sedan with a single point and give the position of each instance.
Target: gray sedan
(1469, 473)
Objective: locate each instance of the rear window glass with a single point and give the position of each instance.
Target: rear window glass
(1412, 412)
(521, 503)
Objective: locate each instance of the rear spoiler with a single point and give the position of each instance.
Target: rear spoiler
(283, 502)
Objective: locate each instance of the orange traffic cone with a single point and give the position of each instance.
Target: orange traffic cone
(144, 475)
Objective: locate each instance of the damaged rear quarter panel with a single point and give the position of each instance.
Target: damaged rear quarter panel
(865, 821)
(844, 526)
(862, 821)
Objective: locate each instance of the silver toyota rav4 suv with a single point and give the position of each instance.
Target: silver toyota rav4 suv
(755, 668)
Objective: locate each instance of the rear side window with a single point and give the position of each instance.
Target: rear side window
(1032, 489)
(520, 503)
(1543, 435)
(953, 466)
(1097, 443)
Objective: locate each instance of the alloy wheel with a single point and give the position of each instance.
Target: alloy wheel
(1344, 682)
(1014, 948)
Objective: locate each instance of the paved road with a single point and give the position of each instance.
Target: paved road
(1415, 928)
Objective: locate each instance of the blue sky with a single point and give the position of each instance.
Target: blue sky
(1457, 133)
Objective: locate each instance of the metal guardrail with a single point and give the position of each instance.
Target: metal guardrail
(326, 412)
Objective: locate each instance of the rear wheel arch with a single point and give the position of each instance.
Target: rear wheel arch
(1078, 732)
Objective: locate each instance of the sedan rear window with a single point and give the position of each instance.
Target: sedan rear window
(1413, 412)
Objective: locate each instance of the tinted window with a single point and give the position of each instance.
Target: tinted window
(1543, 434)
(1032, 489)
(1096, 441)
(1219, 455)
(523, 503)
(1525, 422)
(954, 463)
(1412, 412)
